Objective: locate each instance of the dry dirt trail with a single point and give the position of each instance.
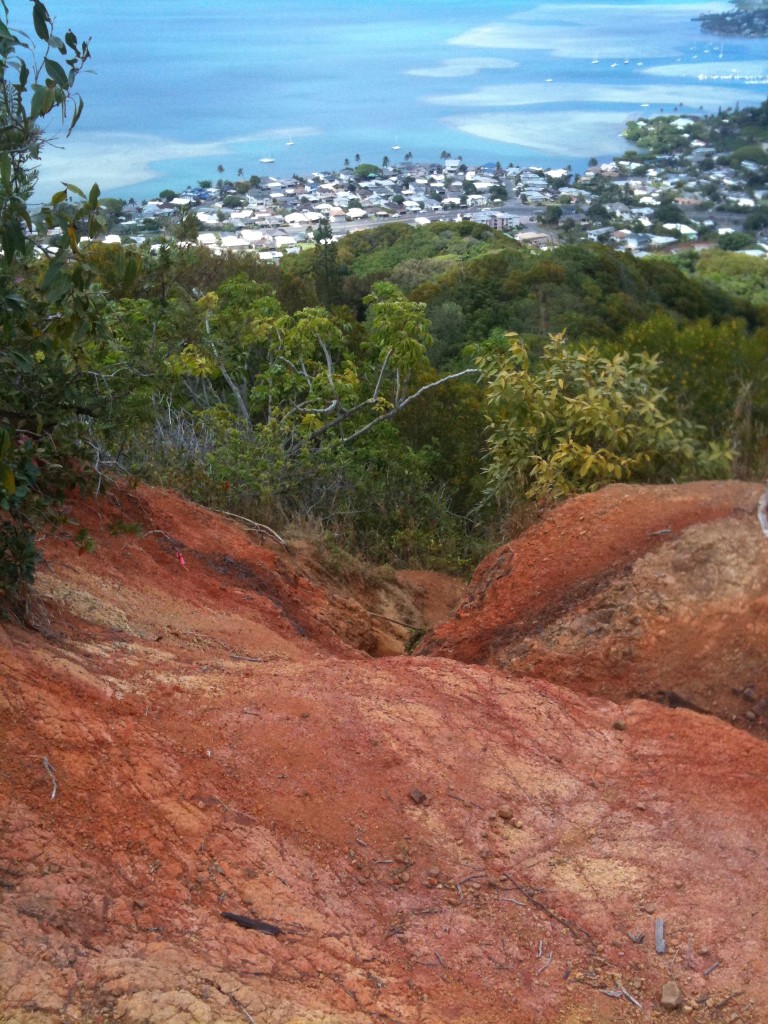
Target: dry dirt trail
(199, 726)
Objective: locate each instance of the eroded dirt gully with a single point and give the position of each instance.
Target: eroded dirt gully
(435, 841)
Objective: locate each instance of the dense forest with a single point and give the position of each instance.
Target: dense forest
(405, 393)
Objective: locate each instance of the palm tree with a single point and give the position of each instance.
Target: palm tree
(409, 155)
(357, 158)
(220, 169)
(240, 172)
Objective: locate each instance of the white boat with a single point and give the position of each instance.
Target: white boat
(395, 147)
(267, 160)
(549, 79)
(289, 142)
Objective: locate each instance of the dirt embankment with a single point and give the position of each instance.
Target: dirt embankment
(655, 592)
(419, 840)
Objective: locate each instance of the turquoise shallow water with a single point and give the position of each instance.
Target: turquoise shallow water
(180, 87)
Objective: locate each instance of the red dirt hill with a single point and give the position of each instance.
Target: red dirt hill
(415, 839)
(656, 592)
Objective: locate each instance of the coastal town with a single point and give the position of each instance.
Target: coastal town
(690, 184)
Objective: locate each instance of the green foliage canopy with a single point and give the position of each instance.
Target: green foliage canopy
(575, 420)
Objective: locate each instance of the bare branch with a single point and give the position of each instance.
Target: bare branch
(382, 371)
(407, 401)
(265, 531)
(236, 391)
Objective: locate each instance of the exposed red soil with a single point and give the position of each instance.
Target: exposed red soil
(436, 841)
(657, 592)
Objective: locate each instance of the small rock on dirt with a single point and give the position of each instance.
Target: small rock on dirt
(671, 996)
(417, 796)
(505, 812)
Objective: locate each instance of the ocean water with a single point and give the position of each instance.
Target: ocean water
(176, 89)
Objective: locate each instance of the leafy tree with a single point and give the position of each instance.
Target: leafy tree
(325, 265)
(234, 202)
(735, 273)
(736, 240)
(189, 226)
(551, 214)
(363, 171)
(576, 420)
(707, 369)
(46, 391)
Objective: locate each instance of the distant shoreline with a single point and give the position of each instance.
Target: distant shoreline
(748, 24)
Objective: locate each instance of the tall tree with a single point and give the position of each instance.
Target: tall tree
(50, 309)
(325, 265)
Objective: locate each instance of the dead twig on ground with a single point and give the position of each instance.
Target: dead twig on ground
(724, 1002)
(711, 968)
(461, 800)
(239, 1005)
(545, 965)
(613, 993)
(658, 935)
(632, 999)
(265, 531)
(762, 512)
(253, 922)
(49, 769)
(575, 929)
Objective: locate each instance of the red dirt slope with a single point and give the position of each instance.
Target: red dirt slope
(435, 842)
(657, 592)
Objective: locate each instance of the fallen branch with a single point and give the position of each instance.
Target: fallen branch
(632, 999)
(711, 968)
(49, 768)
(388, 618)
(613, 993)
(239, 1005)
(762, 511)
(265, 531)
(733, 995)
(575, 929)
(545, 965)
(253, 922)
